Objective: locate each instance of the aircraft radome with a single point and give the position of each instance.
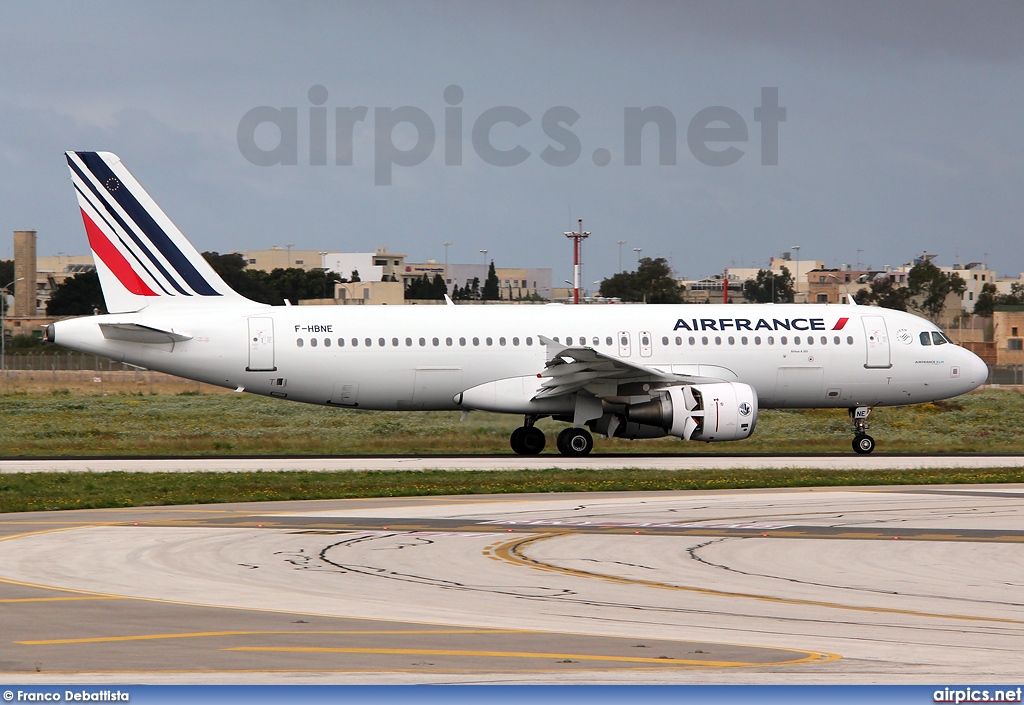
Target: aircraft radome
(697, 372)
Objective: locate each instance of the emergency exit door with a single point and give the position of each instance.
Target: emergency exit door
(261, 345)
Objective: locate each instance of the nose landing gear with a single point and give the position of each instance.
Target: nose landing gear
(862, 442)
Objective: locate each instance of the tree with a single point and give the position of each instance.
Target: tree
(986, 301)
(491, 291)
(884, 292)
(6, 277)
(930, 286)
(355, 276)
(426, 288)
(79, 295)
(769, 287)
(652, 282)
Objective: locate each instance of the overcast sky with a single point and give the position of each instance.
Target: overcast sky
(904, 127)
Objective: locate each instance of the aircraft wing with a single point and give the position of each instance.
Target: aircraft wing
(570, 369)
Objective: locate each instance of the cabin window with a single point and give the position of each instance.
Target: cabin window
(448, 342)
(369, 342)
(501, 341)
(757, 340)
(704, 340)
(568, 341)
(476, 341)
(824, 340)
(597, 341)
(341, 342)
(299, 342)
(796, 340)
(327, 342)
(462, 342)
(782, 340)
(718, 340)
(408, 342)
(608, 340)
(849, 340)
(771, 340)
(645, 341)
(692, 340)
(732, 340)
(664, 340)
(394, 342)
(423, 342)
(355, 342)
(679, 340)
(743, 340)
(529, 341)
(490, 341)
(381, 342)
(515, 341)
(312, 342)
(836, 340)
(623, 341)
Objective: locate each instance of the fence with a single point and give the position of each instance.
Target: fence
(36, 360)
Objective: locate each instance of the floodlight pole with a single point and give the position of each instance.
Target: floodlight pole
(576, 238)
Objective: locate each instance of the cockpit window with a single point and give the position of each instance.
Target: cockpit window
(926, 339)
(938, 338)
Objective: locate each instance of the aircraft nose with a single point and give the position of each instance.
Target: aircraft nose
(975, 371)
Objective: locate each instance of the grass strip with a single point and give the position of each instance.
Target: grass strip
(22, 492)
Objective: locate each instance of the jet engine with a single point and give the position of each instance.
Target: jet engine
(720, 411)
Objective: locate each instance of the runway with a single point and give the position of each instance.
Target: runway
(887, 585)
(841, 461)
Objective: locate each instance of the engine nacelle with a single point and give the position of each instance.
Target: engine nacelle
(722, 411)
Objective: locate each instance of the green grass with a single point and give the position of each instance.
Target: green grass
(60, 424)
(20, 492)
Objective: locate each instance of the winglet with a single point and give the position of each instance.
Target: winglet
(448, 300)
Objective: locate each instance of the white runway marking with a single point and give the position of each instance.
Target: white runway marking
(513, 462)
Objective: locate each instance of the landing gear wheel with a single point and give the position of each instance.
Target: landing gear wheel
(516, 441)
(531, 440)
(575, 441)
(527, 440)
(863, 444)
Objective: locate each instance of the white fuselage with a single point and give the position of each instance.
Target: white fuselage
(422, 357)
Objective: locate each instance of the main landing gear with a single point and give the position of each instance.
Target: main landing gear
(862, 442)
(575, 441)
(529, 440)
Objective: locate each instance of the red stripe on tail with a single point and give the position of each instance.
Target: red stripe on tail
(114, 260)
(839, 324)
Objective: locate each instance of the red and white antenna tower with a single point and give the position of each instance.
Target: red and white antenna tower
(577, 238)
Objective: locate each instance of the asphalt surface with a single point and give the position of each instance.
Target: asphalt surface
(891, 585)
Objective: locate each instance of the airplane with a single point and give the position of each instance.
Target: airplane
(696, 372)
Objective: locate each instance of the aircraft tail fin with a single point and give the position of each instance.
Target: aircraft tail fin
(141, 256)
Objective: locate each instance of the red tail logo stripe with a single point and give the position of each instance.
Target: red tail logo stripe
(840, 323)
(114, 260)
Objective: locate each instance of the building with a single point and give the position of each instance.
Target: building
(833, 286)
(281, 258)
(1008, 334)
(514, 283)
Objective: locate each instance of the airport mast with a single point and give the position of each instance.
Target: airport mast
(576, 239)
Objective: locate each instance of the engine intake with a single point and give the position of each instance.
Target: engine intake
(722, 411)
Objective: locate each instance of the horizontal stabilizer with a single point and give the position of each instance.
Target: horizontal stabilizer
(135, 333)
